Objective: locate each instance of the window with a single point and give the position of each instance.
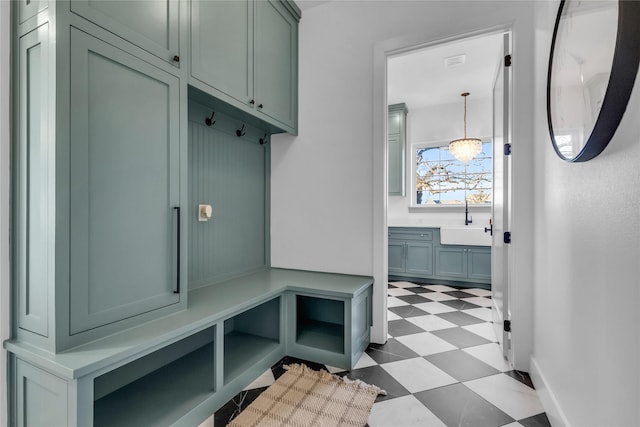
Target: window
(441, 179)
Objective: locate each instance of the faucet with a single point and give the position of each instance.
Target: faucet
(468, 219)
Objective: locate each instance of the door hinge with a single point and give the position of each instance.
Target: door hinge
(507, 61)
(507, 149)
(507, 325)
(507, 237)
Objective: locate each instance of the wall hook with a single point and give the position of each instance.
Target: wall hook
(263, 140)
(209, 120)
(240, 132)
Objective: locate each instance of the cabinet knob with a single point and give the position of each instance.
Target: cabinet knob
(176, 58)
(260, 106)
(422, 235)
(252, 102)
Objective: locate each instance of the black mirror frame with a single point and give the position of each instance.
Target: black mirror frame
(624, 69)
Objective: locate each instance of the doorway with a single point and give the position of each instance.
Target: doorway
(437, 192)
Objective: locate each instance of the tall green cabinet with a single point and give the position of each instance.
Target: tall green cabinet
(101, 213)
(101, 180)
(397, 141)
(124, 185)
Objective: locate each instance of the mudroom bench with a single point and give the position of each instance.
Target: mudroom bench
(179, 369)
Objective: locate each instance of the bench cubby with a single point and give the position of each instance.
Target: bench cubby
(249, 337)
(156, 389)
(179, 369)
(320, 323)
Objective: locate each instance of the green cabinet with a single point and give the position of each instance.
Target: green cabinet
(479, 263)
(451, 262)
(222, 45)
(411, 251)
(416, 253)
(124, 185)
(468, 263)
(245, 53)
(150, 24)
(419, 258)
(396, 256)
(397, 135)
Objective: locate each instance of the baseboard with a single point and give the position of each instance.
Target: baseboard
(548, 399)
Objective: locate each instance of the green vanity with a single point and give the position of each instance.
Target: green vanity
(416, 253)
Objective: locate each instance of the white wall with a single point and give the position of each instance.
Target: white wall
(586, 355)
(440, 124)
(4, 200)
(328, 184)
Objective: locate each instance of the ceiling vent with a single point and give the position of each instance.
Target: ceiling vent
(454, 61)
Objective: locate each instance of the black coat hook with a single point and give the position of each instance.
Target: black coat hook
(263, 140)
(209, 120)
(240, 132)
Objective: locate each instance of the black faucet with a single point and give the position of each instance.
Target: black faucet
(468, 219)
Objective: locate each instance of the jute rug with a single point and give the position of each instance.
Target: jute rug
(304, 397)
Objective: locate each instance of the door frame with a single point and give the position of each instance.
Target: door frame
(520, 264)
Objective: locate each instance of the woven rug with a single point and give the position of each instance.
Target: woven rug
(304, 397)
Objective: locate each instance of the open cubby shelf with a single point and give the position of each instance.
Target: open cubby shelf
(249, 337)
(163, 396)
(322, 335)
(320, 323)
(242, 350)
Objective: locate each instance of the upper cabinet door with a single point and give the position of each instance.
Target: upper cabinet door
(124, 184)
(276, 62)
(149, 24)
(222, 46)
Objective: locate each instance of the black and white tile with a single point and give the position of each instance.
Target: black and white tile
(441, 366)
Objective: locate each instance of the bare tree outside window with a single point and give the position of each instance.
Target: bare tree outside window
(441, 179)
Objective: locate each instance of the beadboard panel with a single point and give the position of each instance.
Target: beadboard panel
(228, 173)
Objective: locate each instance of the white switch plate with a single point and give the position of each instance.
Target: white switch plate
(204, 212)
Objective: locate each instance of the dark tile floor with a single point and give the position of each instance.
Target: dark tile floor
(440, 367)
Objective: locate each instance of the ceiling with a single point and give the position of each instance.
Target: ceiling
(420, 78)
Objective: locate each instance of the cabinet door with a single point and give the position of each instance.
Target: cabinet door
(30, 8)
(149, 24)
(276, 59)
(41, 398)
(35, 254)
(419, 258)
(222, 46)
(124, 183)
(396, 257)
(451, 262)
(479, 263)
(396, 166)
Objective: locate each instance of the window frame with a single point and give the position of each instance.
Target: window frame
(412, 178)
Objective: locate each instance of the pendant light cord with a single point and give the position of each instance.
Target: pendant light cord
(465, 113)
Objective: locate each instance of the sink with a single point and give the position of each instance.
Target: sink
(461, 235)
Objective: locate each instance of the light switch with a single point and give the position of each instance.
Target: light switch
(204, 212)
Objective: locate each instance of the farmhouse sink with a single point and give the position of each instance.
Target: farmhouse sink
(464, 235)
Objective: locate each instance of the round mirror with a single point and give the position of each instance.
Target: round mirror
(592, 68)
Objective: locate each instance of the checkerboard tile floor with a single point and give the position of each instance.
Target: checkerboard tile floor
(440, 367)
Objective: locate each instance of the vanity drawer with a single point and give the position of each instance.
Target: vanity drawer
(410, 234)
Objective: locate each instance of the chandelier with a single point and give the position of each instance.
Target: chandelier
(465, 149)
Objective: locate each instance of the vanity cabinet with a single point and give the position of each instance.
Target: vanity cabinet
(396, 138)
(411, 251)
(151, 24)
(245, 53)
(416, 253)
